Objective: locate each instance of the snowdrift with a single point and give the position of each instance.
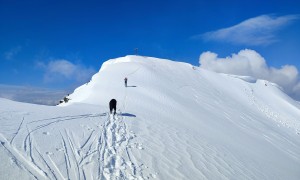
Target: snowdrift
(175, 121)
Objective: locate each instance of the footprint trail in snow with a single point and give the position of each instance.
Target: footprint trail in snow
(83, 149)
(116, 158)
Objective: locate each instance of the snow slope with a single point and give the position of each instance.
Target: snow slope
(174, 121)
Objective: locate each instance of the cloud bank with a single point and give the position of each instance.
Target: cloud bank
(55, 71)
(64, 70)
(31, 94)
(259, 30)
(250, 63)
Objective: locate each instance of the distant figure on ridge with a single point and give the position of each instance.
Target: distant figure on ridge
(125, 80)
(113, 106)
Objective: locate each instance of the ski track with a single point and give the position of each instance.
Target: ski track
(12, 140)
(22, 161)
(103, 152)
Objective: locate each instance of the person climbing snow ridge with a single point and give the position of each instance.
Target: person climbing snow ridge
(125, 80)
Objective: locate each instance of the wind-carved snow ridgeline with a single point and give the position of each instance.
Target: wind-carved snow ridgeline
(86, 146)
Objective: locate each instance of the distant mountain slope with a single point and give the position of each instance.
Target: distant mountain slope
(174, 121)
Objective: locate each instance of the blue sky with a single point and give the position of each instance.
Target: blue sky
(40, 39)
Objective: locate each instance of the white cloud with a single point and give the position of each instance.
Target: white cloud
(61, 69)
(260, 30)
(250, 63)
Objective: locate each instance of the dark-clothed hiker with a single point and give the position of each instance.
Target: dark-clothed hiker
(125, 80)
(113, 106)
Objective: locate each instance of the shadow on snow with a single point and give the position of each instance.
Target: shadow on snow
(128, 115)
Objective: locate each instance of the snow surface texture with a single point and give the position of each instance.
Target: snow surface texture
(174, 121)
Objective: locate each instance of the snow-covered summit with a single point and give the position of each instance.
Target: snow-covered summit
(113, 72)
(175, 121)
(167, 84)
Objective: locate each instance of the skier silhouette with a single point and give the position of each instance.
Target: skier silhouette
(113, 106)
(125, 80)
